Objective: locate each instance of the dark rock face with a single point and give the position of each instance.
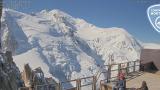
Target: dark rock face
(32, 77)
(10, 78)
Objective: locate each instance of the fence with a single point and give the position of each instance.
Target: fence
(90, 83)
(47, 87)
(128, 67)
(80, 84)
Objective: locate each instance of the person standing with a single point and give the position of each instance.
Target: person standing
(122, 83)
(121, 74)
(144, 86)
(121, 80)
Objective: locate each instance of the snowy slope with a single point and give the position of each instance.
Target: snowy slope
(115, 42)
(63, 46)
(151, 46)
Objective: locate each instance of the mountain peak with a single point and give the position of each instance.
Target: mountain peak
(64, 46)
(58, 12)
(55, 12)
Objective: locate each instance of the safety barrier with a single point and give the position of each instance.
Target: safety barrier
(86, 82)
(129, 67)
(93, 81)
(114, 69)
(46, 87)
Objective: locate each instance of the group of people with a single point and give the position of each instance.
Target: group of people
(121, 83)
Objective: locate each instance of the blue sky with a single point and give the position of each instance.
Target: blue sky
(128, 14)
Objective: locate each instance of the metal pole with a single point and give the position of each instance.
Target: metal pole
(127, 68)
(94, 83)
(134, 69)
(59, 86)
(119, 68)
(78, 84)
(1, 5)
(1, 8)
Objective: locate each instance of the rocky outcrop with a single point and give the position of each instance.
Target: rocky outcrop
(27, 75)
(10, 78)
(32, 77)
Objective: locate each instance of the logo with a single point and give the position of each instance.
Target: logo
(153, 13)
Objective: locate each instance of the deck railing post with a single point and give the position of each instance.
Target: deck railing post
(78, 84)
(139, 62)
(127, 68)
(134, 69)
(100, 85)
(36, 87)
(94, 83)
(59, 86)
(109, 71)
(119, 68)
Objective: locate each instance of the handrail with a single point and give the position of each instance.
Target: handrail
(69, 81)
(75, 80)
(98, 74)
(46, 85)
(87, 77)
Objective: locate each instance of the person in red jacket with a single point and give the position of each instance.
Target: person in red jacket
(121, 81)
(121, 75)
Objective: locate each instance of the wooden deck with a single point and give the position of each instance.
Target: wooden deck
(135, 81)
(153, 81)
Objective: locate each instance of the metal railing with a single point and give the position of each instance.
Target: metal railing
(131, 67)
(79, 84)
(65, 86)
(46, 87)
(128, 67)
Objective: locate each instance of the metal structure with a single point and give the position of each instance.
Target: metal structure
(129, 68)
(150, 58)
(0, 8)
(93, 81)
(0, 20)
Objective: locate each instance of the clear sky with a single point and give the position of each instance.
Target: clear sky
(128, 14)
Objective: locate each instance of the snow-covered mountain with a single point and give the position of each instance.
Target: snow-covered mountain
(63, 46)
(151, 46)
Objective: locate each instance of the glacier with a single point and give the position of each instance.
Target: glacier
(63, 46)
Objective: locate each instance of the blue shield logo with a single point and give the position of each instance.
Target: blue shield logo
(153, 13)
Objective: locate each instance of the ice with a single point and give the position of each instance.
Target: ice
(63, 46)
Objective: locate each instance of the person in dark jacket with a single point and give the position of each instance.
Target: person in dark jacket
(144, 86)
(122, 83)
